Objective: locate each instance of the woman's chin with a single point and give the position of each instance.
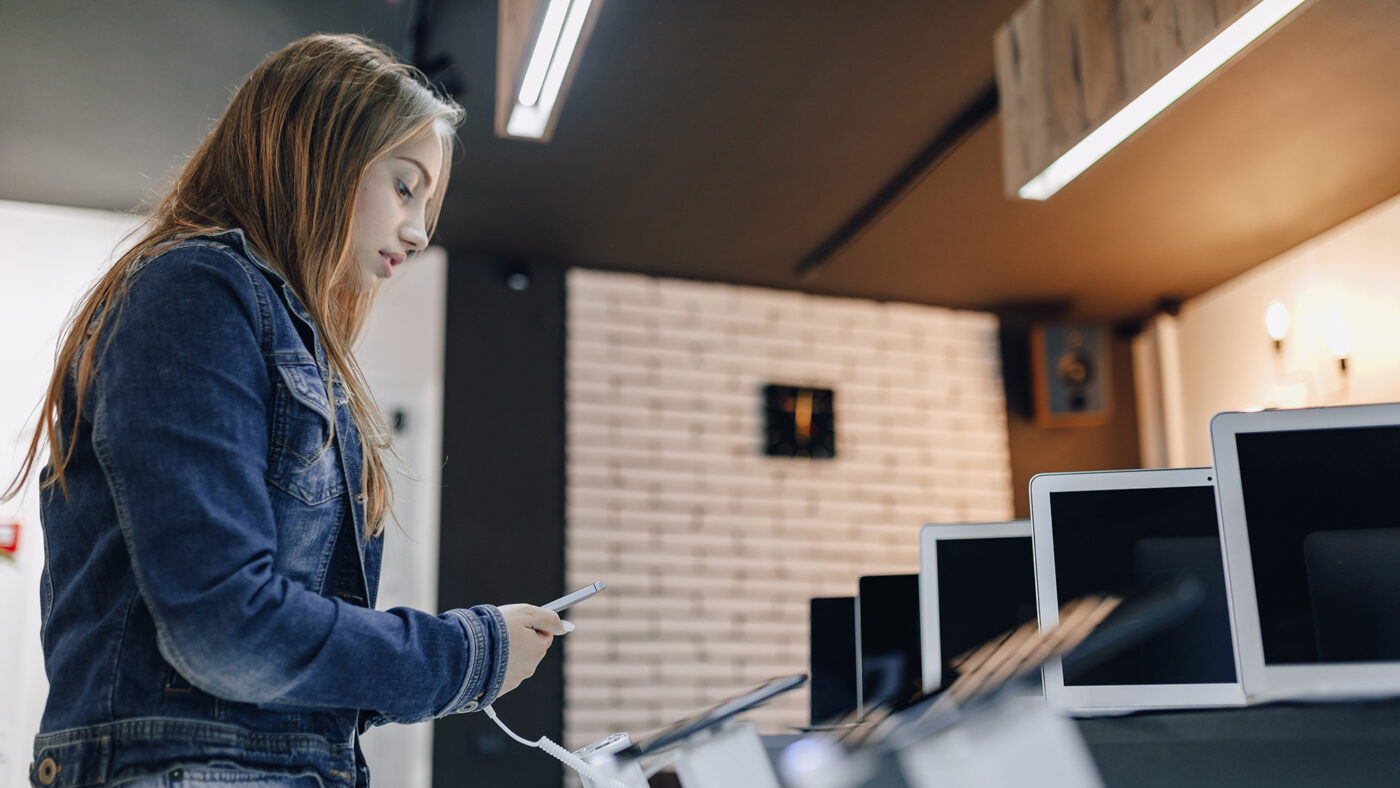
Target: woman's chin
(359, 283)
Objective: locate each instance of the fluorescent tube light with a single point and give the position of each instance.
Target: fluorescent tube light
(1157, 98)
(544, 51)
(531, 119)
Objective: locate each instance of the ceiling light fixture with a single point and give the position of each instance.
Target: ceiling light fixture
(1169, 88)
(561, 33)
(545, 46)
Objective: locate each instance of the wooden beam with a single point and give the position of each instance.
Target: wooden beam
(1065, 66)
(517, 24)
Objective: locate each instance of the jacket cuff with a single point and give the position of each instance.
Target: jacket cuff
(488, 652)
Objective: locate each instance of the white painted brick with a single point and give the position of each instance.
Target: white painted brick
(639, 288)
(680, 294)
(712, 550)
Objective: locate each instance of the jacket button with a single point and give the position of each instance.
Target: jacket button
(48, 770)
(471, 706)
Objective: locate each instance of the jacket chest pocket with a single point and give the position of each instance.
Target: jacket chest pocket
(304, 462)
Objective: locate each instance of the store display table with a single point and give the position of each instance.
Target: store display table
(1282, 744)
(1355, 744)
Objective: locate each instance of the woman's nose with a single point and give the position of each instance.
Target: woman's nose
(414, 236)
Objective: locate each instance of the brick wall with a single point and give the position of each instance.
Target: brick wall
(710, 549)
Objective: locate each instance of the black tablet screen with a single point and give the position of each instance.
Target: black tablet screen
(891, 665)
(833, 658)
(1323, 511)
(1122, 541)
(986, 587)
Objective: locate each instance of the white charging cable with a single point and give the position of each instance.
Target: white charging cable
(569, 759)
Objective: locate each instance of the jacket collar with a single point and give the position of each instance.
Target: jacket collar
(237, 238)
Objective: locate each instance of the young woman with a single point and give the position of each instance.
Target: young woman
(216, 486)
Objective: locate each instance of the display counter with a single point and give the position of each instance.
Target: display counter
(1355, 744)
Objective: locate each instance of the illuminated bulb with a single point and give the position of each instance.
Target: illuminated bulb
(1339, 340)
(1276, 320)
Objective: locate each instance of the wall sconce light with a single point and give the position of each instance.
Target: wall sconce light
(1276, 321)
(1312, 375)
(1339, 341)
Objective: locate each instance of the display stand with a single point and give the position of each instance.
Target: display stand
(708, 750)
(602, 755)
(629, 773)
(1019, 742)
(729, 756)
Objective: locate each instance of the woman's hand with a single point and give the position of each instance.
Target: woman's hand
(532, 630)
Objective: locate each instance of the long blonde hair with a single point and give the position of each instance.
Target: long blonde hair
(284, 164)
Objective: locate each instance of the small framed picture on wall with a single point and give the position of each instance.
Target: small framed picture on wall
(799, 422)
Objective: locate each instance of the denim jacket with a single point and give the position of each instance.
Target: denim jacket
(208, 593)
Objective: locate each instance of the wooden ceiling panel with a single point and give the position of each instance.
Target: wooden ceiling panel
(1295, 137)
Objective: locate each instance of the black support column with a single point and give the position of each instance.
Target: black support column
(503, 498)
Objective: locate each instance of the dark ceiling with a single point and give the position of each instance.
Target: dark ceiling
(728, 139)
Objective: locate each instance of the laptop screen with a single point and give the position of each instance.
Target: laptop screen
(985, 587)
(1121, 541)
(1323, 513)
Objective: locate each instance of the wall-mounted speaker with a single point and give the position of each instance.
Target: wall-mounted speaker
(1070, 374)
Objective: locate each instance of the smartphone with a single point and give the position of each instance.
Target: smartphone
(569, 600)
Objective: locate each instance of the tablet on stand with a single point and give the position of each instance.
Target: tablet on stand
(712, 749)
(976, 580)
(1310, 514)
(1118, 532)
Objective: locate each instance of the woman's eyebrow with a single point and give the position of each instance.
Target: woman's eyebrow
(427, 178)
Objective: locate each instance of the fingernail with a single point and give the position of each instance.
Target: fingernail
(568, 626)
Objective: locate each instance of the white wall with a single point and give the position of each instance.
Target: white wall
(712, 550)
(401, 353)
(51, 255)
(1226, 360)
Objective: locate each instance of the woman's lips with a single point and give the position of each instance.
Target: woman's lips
(390, 260)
